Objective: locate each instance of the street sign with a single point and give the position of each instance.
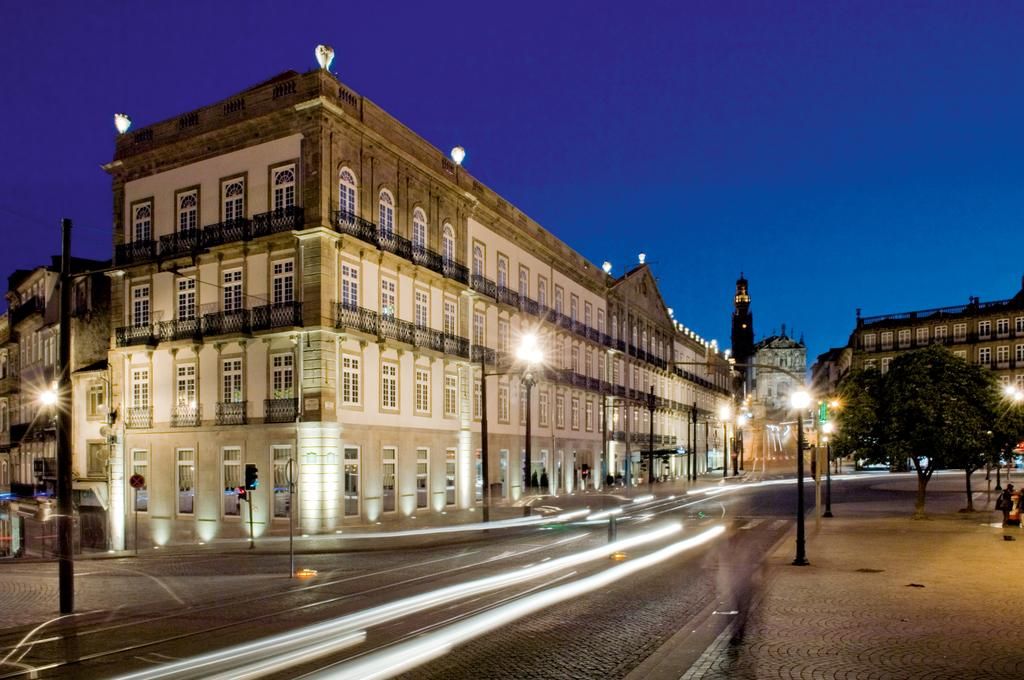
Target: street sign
(137, 481)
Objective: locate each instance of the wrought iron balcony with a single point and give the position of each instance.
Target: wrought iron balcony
(138, 417)
(425, 257)
(357, 318)
(135, 335)
(428, 338)
(348, 223)
(456, 271)
(180, 329)
(185, 415)
(396, 329)
(507, 296)
(528, 305)
(231, 412)
(228, 231)
(277, 315)
(456, 345)
(224, 323)
(181, 243)
(284, 410)
(393, 243)
(291, 218)
(482, 284)
(134, 252)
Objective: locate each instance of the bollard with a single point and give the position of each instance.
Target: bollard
(612, 528)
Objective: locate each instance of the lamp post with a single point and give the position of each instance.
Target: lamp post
(530, 354)
(800, 400)
(725, 413)
(650, 463)
(828, 428)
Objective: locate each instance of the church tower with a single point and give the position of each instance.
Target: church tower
(742, 326)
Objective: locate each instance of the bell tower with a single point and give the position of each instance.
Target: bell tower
(742, 325)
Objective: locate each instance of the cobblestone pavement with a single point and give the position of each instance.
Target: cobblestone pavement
(886, 596)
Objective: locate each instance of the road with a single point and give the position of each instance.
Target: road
(526, 602)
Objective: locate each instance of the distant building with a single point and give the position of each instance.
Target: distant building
(773, 387)
(742, 333)
(987, 333)
(829, 369)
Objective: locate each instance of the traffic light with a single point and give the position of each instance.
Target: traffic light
(252, 476)
(243, 495)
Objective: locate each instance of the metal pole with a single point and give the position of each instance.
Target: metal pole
(65, 509)
(725, 449)
(136, 521)
(707, 429)
(291, 516)
(735, 454)
(801, 555)
(650, 462)
(527, 463)
(828, 480)
(692, 472)
(252, 534)
(484, 470)
(605, 453)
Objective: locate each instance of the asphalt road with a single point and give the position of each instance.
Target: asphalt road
(410, 606)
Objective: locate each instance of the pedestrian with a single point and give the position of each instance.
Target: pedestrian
(1005, 502)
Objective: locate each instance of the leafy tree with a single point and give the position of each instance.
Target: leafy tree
(932, 408)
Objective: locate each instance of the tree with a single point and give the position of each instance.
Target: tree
(931, 408)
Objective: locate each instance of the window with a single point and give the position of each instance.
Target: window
(140, 388)
(351, 481)
(422, 307)
(588, 416)
(589, 364)
(389, 467)
(1003, 354)
(542, 408)
(96, 405)
(959, 332)
(451, 386)
(449, 477)
(233, 199)
(451, 326)
(960, 354)
(503, 271)
(885, 365)
(939, 333)
(600, 321)
(96, 459)
(419, 230)
(140, 466)
(887, 340)
(386, 214)
(388, 386)
(922, 336)
(542, 291)
(1018, 352)
(186, 469)
(504, 336)
(1018, 324)
(231, 465)
(574, 308)
(574, 358)
(387, 297)
(422, 390)
(869, 364)
(588, 314)
(478, 260)
(232, 380)
(140, 305)
(349, 380)
(448, 244)
(282, 378)
(186, 298)
(284, 187)
(232, 290)
(188, 210)
(185, 386)
(347, 194)
(1002, 327)
(349, 285)
(1018, 381)
(281, 456)
(478, 328)
(984, 355)
(560, 411)
(984, 329)
(142, 222)
(524, 282)
(422, 477)
(574, 413)
(558, 299)
(904, 337)
(283, 283)
(503, 402)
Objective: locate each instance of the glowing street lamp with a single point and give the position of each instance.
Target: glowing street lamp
(48, 397)
(531, 355)
(324, 56)
(122, 122)
(458, 155)
(800, 400)
(725, 415)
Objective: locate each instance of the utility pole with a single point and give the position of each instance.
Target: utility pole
(650, 463)
(65, 507)
(484, 470)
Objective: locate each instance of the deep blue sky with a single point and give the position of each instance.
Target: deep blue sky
(843, 155)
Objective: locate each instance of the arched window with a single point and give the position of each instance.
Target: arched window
(478, 261)
(188, 211)
(502, 272)
(419, 229)
(448, 244)
(143, 222)
(386, 213)
(347, 194)
(284, 187)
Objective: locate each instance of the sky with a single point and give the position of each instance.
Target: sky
(841, 155)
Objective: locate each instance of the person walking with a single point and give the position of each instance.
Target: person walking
(1005, 503)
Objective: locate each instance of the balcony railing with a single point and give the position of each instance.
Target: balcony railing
(181, 243)
(280, 410)
(228, 231)
(291, 218)
(396, 329)
(185, 415)
(136, 335)
(508, 296)
(180, 329)
(135, 251)
(225, 323)
(456, 271)
(347, 223)
(358, 318)
(393, 243)
(425, 257)
(277, 315)
(28, 307)
(231, 412)
(138, 417)
(482, 284)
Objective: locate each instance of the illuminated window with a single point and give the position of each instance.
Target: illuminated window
(142, 222)
(422, 389)
(188, 210)
(419, 229)
(347, 194)
(386, 213)
(389, 386)
(349, 380)
(283, 181)
(233, 199)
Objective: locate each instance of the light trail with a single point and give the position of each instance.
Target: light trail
(391, 661)
(516, 522)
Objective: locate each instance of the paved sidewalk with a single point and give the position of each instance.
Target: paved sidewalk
(885, 596)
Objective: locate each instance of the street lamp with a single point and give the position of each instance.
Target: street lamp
(531, 355)
(741, 421)
(800, 400)
(651, 404)
(828, 428)
(724, 414)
